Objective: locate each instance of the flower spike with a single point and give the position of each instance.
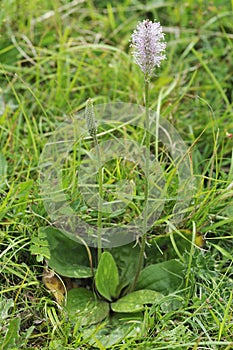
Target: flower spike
(90, 118)
(148, 46)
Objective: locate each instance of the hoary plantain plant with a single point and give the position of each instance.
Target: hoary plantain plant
(116, 286)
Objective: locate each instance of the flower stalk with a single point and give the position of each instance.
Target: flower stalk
(148, 47)
(91, 125)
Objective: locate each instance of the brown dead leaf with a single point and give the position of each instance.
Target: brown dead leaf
(54, 284)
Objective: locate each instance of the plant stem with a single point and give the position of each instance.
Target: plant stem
(146, 192)
(91, 125)
(100, 203)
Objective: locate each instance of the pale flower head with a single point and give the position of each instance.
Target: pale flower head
(148, 46)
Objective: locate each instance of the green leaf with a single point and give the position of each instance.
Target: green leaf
(67, 257)
(22, 190)
(12, 334)
(107, 277)
(42, 251)
(83, 307)
(126, 258)
(223, 251)
(40, 247)
(165, 277)
(3, 169)
(136, 301)
(5, 306)
(112, 331)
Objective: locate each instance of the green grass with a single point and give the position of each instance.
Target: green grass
(54, 55)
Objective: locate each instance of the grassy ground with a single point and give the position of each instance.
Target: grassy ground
(54, 55)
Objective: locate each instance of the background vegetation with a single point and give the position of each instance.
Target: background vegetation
(54, 55)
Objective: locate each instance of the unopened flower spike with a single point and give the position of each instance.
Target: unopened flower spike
(148, 46)
(90, 118)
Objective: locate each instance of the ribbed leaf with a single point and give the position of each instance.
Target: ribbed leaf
(83, 307)
(165, 277)
(136, 301)
(67, 257)
(107, 277)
